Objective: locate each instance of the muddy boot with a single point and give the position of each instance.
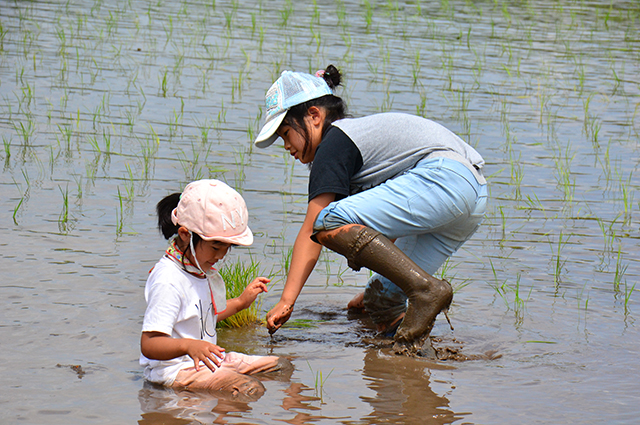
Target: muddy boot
(428, 296)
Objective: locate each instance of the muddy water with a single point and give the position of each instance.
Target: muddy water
(106, 107)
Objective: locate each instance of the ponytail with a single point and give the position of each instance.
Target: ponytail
(331, 75)
(164, 209)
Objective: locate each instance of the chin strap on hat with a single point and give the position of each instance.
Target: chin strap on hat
(193, 252)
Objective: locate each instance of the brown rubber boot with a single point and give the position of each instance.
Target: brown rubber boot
(428, 296)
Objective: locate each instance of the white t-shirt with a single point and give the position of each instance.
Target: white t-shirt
(183, 306)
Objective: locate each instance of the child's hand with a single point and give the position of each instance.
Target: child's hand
(205, 352)
(251, 292)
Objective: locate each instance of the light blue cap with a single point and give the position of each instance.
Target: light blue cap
(291, 89)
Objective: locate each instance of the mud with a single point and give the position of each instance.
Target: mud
(428, 296)
(80, 372)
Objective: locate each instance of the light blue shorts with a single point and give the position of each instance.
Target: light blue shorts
(431, 210)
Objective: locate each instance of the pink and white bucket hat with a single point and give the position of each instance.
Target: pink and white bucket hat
(215, 212)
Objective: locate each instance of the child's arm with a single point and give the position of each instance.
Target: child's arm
(160, 346)
(249, 295)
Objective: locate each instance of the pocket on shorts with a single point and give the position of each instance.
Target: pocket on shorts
(434, 208)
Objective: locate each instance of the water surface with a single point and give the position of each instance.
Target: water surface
(106, 107)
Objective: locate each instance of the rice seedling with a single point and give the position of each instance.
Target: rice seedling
(7, 149)
(119, 214)
(565, 181)
(286, 12)
(627, 197)
(627, 296)
(558, 263)
(164, 82)
(3, 34)
(285, 261)
(25, 131)
(368, 14)
(63, 218)
(129, 185)
(24, 195)
(236, 277)
(619, 272)
(519, 303)
(319, 380)
(580, 297)
(517, 175)
(93, 141)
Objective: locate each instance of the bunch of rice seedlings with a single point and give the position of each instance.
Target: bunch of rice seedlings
(236, 277)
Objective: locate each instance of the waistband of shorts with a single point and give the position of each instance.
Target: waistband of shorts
(477, 172)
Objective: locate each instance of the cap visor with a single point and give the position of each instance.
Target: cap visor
(268, 133)
(243, 239)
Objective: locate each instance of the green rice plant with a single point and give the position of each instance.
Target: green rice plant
(93, 141)
(25, 131)
(580, 297)
(627, 296)
(119, 214)
(3, 33)
(608, 232)
(565, 181)
(319, 380)
(78, 180)
(516, 175)
(204, 128)
(286, 12)
(619, 271)
(285, 262)
(106, 138)
(558, 263)
(368, 14)
(129, 185)
(164, 82)
(63, 218)
(66, 132)
(236, 277)
(519, 303)
(341, 13)
(499, 287)
(415, 67)
(24, 195)
(627, 197)
(7, 148)
(503, 221)
(535, 204)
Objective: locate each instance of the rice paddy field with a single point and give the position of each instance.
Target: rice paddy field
(108, 106)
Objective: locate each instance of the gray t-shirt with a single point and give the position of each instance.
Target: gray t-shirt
(360, 153)
(391, 143)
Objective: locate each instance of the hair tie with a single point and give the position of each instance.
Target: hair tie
(320, 73)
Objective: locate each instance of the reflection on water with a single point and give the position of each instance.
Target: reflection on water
(403, 391)
(400, 387)
(168, 406)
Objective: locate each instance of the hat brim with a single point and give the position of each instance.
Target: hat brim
(268, 135)
(243, 239)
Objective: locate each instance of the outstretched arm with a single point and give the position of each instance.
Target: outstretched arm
(304, 258)
(248, 296)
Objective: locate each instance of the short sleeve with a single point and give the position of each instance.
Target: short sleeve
(337, 160)
(163, 307)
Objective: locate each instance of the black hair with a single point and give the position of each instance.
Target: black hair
(334, 107)
(165, 225)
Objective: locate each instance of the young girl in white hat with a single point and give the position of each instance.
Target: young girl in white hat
(375, 180)
(186, 296)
